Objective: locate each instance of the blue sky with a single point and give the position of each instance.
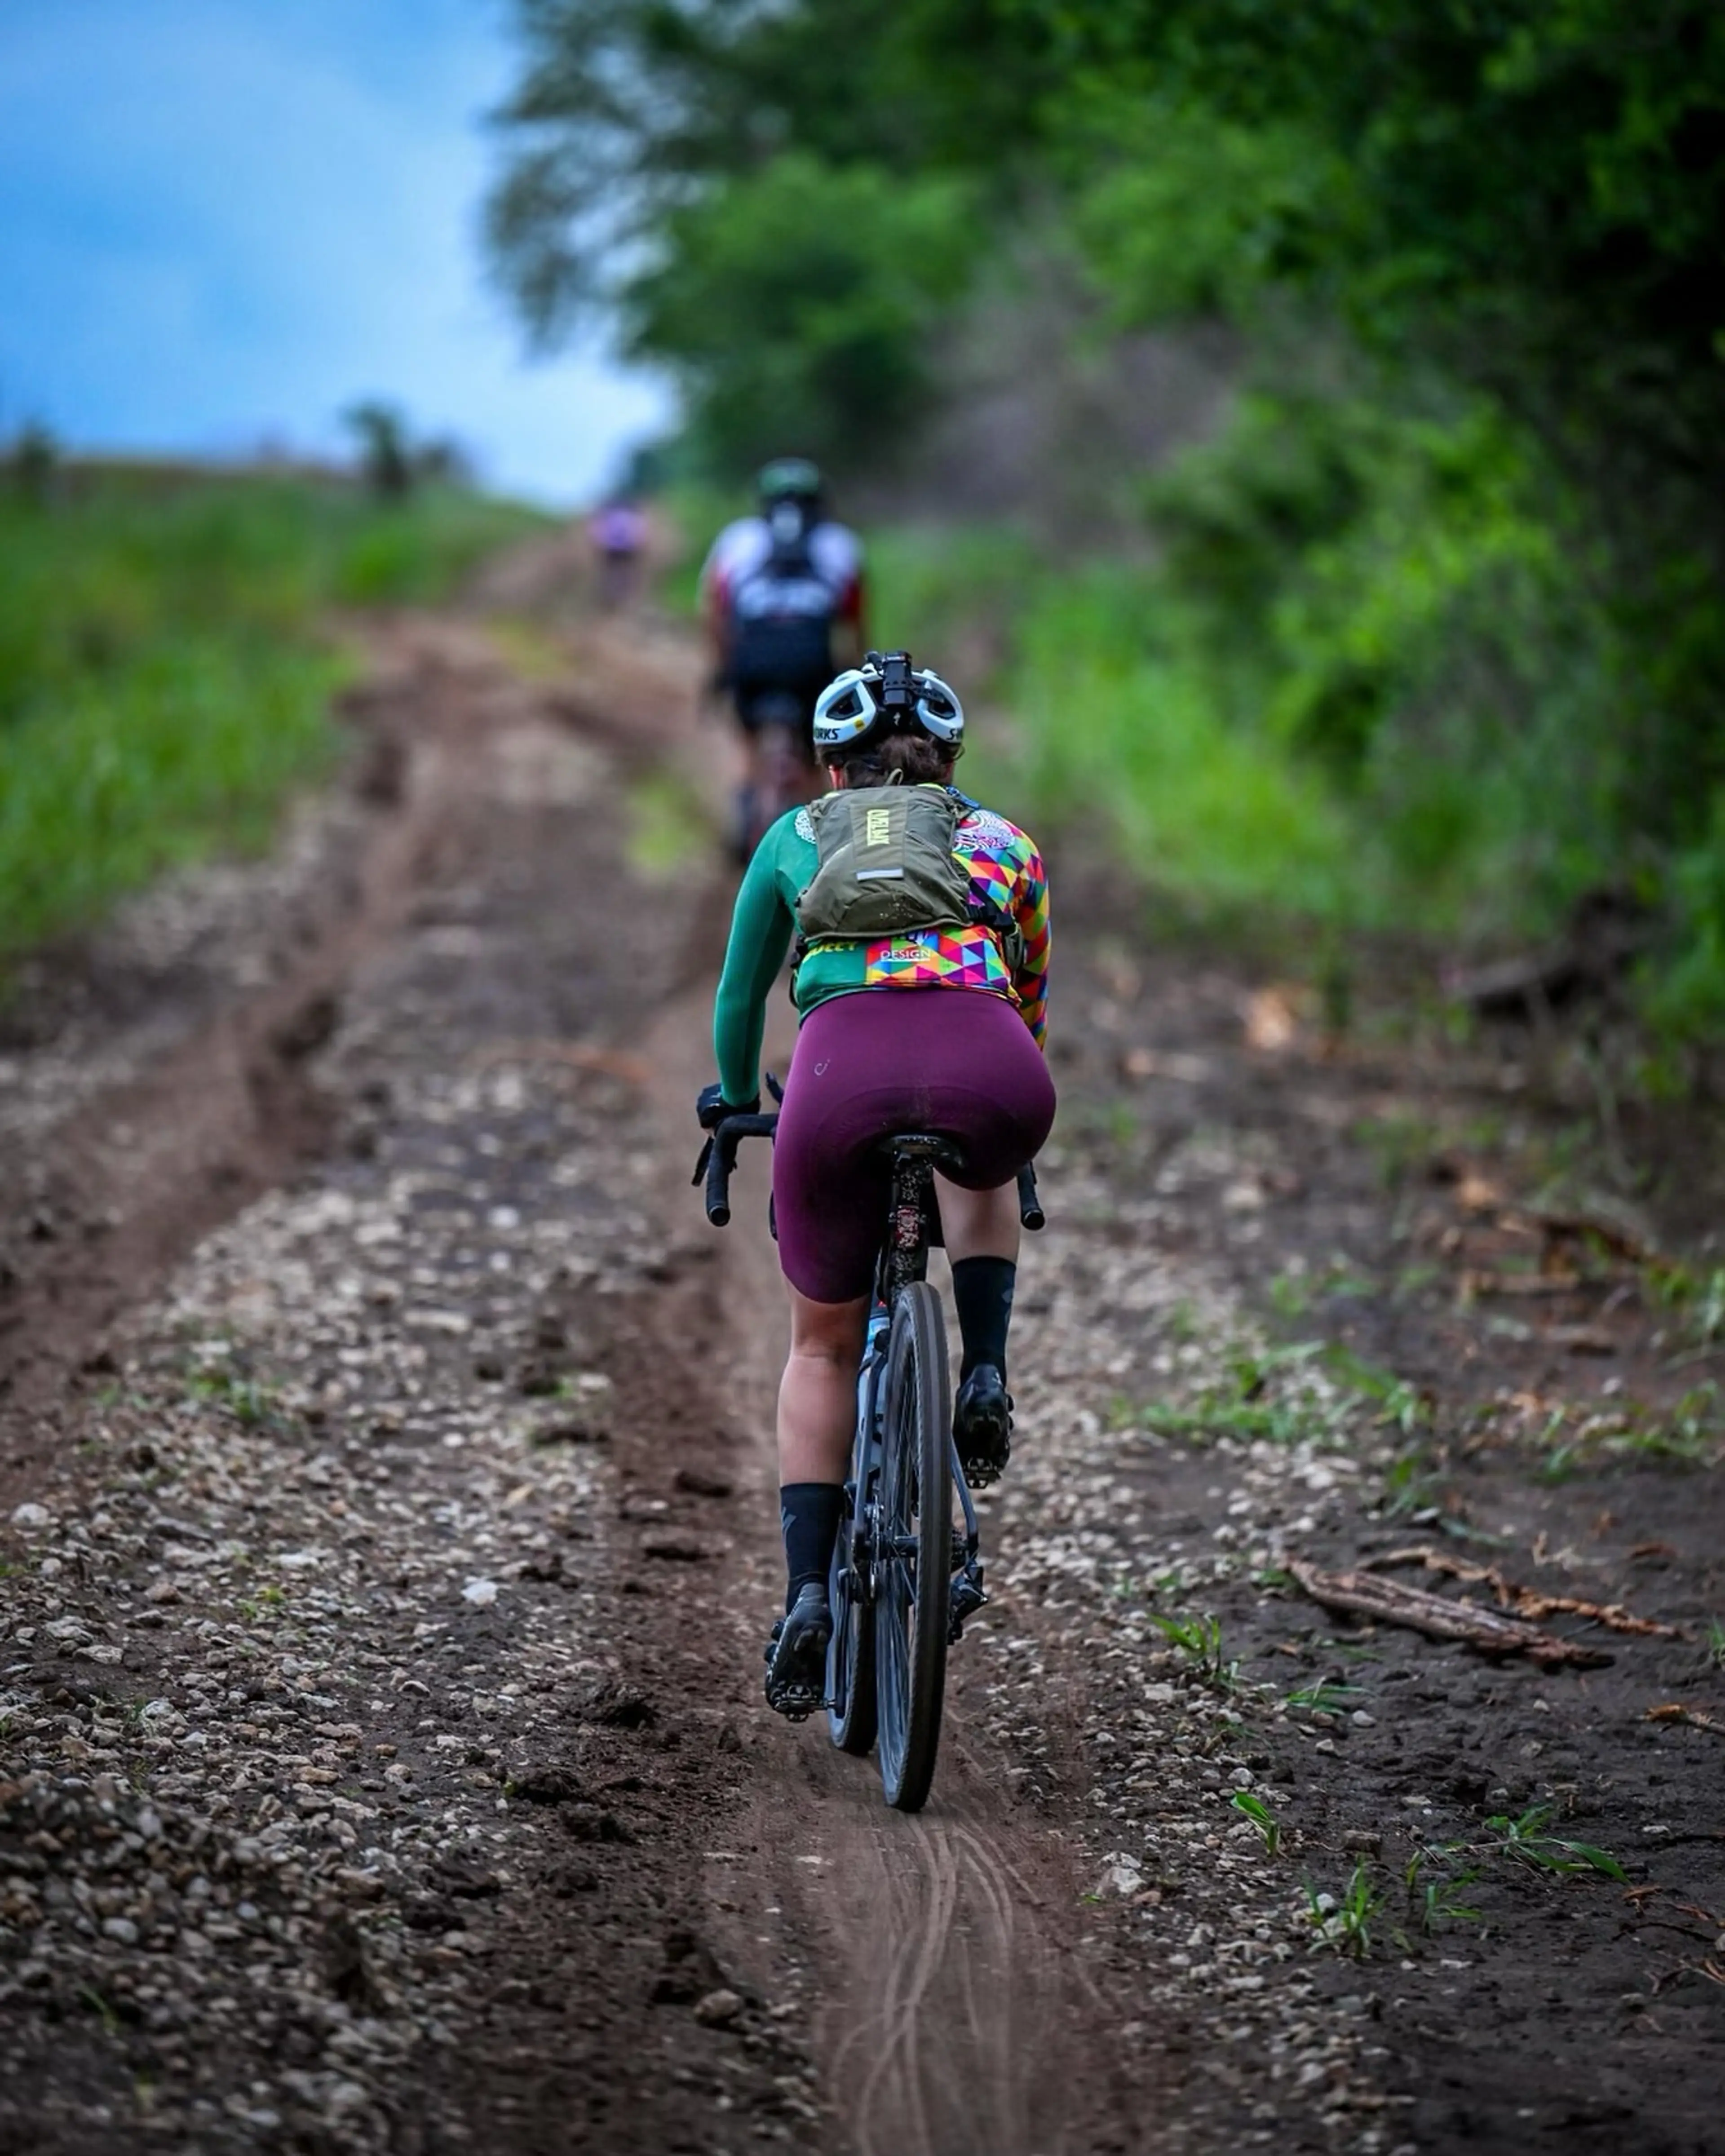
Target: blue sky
(222, 220)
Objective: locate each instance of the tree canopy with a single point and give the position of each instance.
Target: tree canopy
(1472, 253)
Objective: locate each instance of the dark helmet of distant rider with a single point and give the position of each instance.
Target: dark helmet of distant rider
(790, 478)
(793, 497)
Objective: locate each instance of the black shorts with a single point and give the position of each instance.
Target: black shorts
(793, 709)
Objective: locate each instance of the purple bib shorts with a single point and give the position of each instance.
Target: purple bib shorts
(960, 1062)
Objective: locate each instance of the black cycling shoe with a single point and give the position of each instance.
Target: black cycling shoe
(982, 1426)
(797, 1655)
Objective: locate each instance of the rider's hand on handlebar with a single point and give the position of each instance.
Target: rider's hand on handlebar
(710, 1109)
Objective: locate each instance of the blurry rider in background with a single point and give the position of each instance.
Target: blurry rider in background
(782, 595)
(617, 531)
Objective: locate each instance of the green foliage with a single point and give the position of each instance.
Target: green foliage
(793, 304)
(1535, 190)
(1435, 628)
(1118, 723)
(1687, 998)
(1391, 596)
(627, 112)
(1185, 212)
(164, 672)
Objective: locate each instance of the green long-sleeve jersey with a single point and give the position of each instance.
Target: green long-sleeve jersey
(1005, 870)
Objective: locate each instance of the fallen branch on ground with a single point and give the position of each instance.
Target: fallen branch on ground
(1364, 1594)
(1526, 1601)
(1693, 1716)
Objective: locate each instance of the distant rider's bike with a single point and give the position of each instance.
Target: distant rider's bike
(782, 753)
(908, 1569)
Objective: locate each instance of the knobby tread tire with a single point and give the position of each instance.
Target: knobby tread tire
(912, 1610)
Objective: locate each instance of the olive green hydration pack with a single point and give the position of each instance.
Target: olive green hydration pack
(887, 868)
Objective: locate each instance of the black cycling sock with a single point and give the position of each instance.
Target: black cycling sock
(982, 1288)
(809, 1512)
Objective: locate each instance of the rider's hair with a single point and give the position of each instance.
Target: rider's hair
(917, 758)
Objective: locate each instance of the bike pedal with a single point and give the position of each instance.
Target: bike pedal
(797, 1707)
(969, 1596)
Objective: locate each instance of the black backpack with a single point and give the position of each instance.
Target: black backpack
(782, 615)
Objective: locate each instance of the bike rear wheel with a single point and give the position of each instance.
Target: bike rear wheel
(913, 1556)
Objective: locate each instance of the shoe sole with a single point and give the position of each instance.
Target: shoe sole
(984, 1449)
(799, 1689)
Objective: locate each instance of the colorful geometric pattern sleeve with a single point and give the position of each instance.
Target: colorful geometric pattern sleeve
(1030, 911)
(1006, 872)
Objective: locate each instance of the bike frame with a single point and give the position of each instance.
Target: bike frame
(912, 1214)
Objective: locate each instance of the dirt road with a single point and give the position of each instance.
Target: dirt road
(392, 1536)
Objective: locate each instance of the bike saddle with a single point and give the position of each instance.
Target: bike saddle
(921, 1145)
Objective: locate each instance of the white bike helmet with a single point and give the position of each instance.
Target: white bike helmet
(886, 695)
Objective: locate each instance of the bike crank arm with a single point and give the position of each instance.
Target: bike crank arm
(968, 1592)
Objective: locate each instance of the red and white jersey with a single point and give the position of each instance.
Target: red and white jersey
(745, 547)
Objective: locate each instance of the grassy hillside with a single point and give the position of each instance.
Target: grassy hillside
(166, 662)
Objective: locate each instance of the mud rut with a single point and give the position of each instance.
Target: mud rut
(392, 1536)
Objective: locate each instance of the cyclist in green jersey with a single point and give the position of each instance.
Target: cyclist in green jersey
(938, 1028)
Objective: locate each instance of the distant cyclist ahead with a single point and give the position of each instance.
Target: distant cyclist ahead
(782, 597)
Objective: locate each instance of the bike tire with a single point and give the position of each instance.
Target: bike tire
(850, 1657)
(914, 1561)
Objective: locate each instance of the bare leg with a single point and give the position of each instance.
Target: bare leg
(979, 1224)
(817, 1395)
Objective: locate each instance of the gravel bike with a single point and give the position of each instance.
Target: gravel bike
(908, 1570)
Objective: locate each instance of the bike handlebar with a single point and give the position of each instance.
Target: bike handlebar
(722, 1159)
(1030, 1212)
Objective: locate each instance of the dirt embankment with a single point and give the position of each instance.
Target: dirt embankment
(392, 1535)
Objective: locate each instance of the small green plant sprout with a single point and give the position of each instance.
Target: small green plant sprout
(1434, 1896)
(253, 1404)
(1401, 1404)
(1199, 1640)
(1325, 1698)
(1698, 1296)
(1259, 1813)
(1526, 1839)
(88, 1996)
(1344, 1922)
(1408, 1486)
(1716, 1644)
(1296, 1289)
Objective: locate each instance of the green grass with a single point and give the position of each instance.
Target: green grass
(1115, 723)
(166, 664)
(667, 824)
